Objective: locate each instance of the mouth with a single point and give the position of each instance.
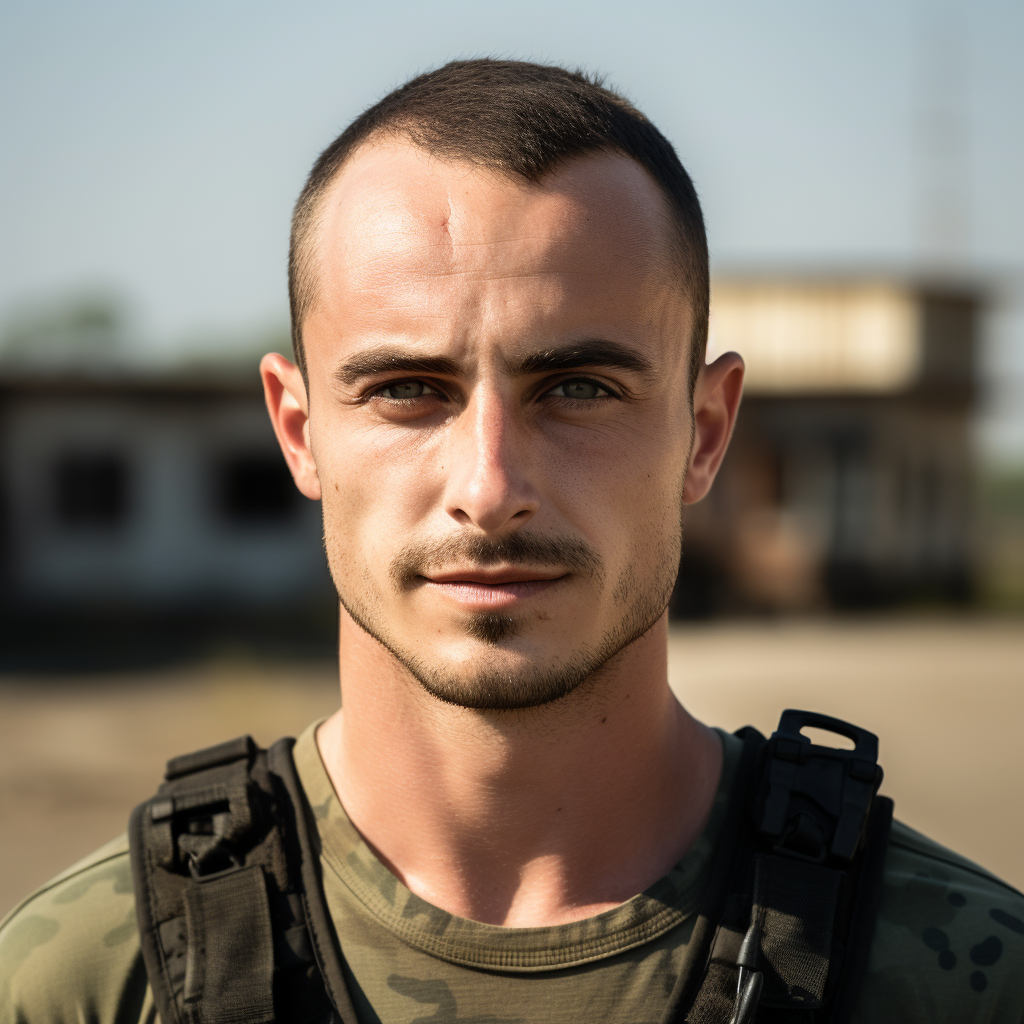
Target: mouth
(492, 589)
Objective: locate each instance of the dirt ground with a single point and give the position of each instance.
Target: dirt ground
(946, 697)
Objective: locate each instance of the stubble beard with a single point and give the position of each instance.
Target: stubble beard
(488, 688)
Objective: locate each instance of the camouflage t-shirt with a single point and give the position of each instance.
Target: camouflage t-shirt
(949, 946)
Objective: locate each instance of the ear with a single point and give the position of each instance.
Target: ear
(716, 400)
(288, 406)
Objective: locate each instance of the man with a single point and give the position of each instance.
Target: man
(499, 288)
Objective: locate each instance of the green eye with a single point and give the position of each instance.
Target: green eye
(407, 389)
(579, 389)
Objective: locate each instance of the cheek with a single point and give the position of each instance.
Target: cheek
(651, 538)
(622, 491)
(375, 490)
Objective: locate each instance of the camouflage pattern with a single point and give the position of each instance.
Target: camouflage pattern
(70, 952)
(949, 945)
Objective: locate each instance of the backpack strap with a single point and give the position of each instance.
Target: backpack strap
(701, 975)
(233, 923)
(793, 938)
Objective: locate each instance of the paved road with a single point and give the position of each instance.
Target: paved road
(945, 696)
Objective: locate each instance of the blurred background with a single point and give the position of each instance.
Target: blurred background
(162, 585)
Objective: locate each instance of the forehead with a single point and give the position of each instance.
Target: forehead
(394, 206)
(403, 234)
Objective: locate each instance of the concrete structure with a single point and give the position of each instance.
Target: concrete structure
(160, 503)
(849, 480)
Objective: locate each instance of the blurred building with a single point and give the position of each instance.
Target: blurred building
(849, 480)
(149, 514)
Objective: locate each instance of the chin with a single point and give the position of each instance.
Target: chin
(500, 688)
(507, 674)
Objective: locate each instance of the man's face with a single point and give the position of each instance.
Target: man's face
(499, 416)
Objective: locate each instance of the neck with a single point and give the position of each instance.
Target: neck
(522, 818)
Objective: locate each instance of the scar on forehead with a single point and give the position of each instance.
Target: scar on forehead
(446, 218)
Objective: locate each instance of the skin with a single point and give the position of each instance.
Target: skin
(504, 528)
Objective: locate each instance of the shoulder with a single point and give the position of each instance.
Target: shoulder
(949, 942)
(70, 951)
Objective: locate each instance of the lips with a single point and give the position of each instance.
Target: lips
(494, 577)
(491, 589)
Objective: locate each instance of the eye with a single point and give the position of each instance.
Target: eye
(579, 388)
(407, 389)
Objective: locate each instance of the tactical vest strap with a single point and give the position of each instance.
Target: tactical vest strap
(865, 899)
(792, 919)
(229, 971)
(695, 988)
(232, 919)
(298, 821)
(793, 938)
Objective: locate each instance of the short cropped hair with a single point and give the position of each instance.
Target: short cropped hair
(521, 119)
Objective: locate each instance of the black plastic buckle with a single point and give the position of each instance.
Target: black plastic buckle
(211, 757)
(818, 798)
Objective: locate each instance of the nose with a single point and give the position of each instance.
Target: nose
(488, 486)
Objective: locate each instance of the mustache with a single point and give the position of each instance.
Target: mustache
(528, 549)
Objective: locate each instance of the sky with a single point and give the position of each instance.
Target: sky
(154, 150)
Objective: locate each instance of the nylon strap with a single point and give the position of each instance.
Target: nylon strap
(298, 821)
(794, 910)
(229, 970)
(686, 1001)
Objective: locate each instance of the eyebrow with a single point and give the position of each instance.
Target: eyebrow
(593, 352)
(387, 359)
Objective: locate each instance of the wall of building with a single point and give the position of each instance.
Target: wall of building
(835, 503)
(153, 510)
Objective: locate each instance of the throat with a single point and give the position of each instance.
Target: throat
(526, 824)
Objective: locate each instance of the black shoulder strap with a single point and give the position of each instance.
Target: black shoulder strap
(694, 985)
(232, 919)
(798, 909)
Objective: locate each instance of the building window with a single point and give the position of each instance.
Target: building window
(256, 490)
(91, 490)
